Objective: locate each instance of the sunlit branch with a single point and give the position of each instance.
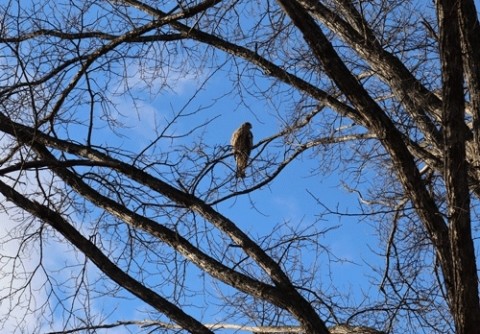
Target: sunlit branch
(339, 329)
(90, 35)
(44, 164)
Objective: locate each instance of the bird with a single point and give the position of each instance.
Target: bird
(242, 143)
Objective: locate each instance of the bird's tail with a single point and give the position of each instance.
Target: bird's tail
(242, 162)
(240, 173)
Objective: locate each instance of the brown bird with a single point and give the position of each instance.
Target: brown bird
(242, 143)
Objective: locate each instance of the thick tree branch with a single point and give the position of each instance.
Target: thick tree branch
(70, 233)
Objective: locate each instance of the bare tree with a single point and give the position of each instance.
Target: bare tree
(383, 88)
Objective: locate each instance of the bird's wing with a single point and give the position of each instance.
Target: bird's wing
(250, 139)
(235, 138)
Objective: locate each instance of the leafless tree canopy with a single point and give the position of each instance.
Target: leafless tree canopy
(117, 191)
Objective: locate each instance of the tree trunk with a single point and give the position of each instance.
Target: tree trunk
(464, 301)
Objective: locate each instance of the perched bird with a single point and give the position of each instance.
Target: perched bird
(242, 143)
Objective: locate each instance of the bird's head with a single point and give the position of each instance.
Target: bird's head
(248, 125)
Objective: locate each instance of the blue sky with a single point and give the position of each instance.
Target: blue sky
(287, 198)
